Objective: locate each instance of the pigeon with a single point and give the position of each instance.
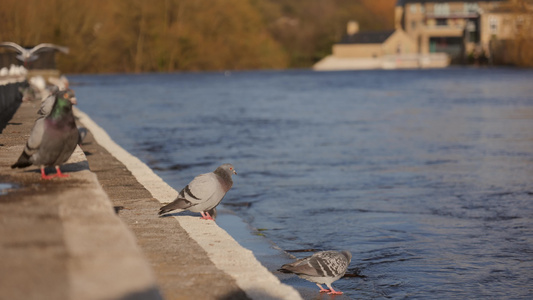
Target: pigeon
(29, 55)
(324, 267)
(204, 193)
(53, 138)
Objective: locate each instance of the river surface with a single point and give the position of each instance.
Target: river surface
(426, 176)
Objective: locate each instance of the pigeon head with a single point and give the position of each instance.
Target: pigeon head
(68, 94)
(226, 169)
(63, 104)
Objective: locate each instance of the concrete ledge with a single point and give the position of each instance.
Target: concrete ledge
(61, 239)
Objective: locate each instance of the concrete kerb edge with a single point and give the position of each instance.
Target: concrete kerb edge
(89, 267)
(227, 255)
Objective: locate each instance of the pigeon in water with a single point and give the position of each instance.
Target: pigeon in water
(53, 138)
(204, 192)
(323, 267)
(29, 55)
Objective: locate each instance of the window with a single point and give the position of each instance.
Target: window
(442, 9)
(413, 25)
(493, 24)
(471, 8)
(412, 7)
(471, 32)
(442, 22)
(471, 26)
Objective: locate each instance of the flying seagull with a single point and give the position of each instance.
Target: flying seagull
(324, 267)
(29, 55)
(204, 192)
(53, 138)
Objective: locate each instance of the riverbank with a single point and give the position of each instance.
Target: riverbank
(71, 245)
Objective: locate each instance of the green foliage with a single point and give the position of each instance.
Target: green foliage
(171, 35)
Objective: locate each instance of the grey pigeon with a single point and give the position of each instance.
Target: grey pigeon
(29, 55)
(323, 267)
(204, 192)
(53, 138)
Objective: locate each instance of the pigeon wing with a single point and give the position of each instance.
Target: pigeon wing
(320, 264)
(33, 144)
(199, 190)
(36, 135)
(46, 105)
(56, 150)
(301, 266)
(332, 263)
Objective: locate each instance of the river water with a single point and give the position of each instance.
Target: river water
(426, 176)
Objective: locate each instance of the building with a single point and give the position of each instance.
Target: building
(425, 30)
(387, 49)
(372, 44)
(462, 28)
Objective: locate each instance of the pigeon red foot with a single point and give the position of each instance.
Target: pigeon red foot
(323, 290)
(58, 174)
(206, 216)
(334, 292)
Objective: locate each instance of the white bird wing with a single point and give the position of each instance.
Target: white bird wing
(15, 46)
(47, 47)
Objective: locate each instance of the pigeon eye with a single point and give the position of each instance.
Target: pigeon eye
(231, 168)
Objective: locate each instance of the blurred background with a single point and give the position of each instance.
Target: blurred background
(422, 172)
(193, 35)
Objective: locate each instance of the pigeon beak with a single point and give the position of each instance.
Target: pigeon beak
(234, 172)
(73, 101)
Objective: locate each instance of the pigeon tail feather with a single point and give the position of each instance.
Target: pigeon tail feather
(23, 161)
(283, 270)
(176, 204)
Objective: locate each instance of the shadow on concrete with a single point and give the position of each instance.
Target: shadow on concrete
(181, 213)
(66, 168)
(238, 295)
(149, 294)
(75, 167)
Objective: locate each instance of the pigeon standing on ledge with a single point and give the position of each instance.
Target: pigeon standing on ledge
(323, 267)
(53, 138)
(29, 55)
(204, 192)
